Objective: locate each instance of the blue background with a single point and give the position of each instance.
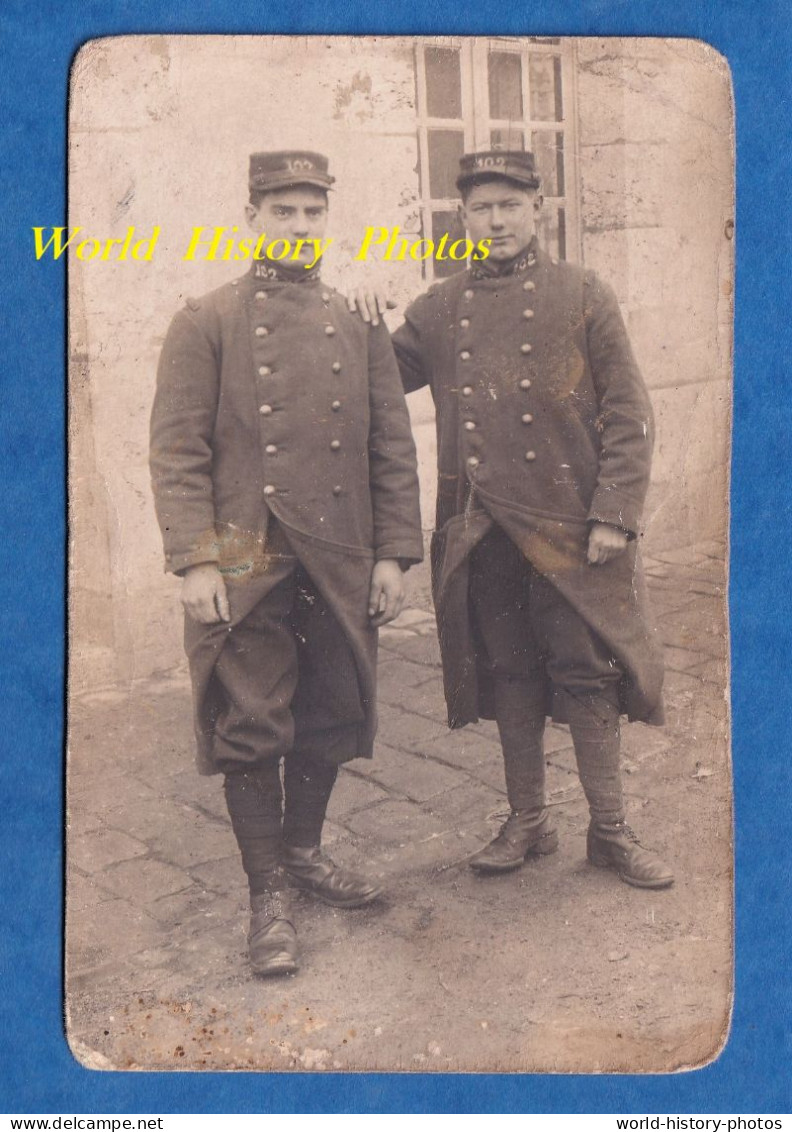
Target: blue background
(37, 1071)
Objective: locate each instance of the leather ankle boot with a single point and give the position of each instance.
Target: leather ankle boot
(272, 940)
(617, 847)
(522, 834)
(311, 870)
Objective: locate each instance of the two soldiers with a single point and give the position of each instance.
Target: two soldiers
(285, 483)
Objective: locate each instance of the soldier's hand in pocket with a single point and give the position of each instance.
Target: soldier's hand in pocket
(386, 597)
(605, 542)
(369, 304)
(203, 594)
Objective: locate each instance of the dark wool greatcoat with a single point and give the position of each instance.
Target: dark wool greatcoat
(272, 399)
(544, 425)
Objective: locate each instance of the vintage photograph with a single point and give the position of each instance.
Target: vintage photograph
(399, 424)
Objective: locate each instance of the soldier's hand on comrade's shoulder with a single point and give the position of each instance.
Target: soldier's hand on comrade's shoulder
(386, 597)
(204, 594)
(605, 542)
(369, 304)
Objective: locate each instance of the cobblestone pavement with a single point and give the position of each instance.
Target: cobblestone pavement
(557, 967)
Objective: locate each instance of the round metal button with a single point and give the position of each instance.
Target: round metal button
(525, 383)
(527, 418)
(325, 297)
(464, 323)
(264, 371)
(335, 445)
(472, 461)
(329, 331)
(336, 367)
(337, 489)
(261, 295)
(271, 449)
(529, 285)
(465, 356)
(470, 425)
(530, 456)
(526, 348)
(528, 313)
(269, 489)
(261, 331)
(336, 405)
(468, 294)
(467, 390)
(265, 410)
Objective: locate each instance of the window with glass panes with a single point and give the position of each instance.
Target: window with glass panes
(500, 93)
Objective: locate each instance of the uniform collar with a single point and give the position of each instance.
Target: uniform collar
(519, 265)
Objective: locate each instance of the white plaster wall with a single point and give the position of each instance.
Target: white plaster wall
(160, 130)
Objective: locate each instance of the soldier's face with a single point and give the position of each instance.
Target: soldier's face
(503, 214)
(292, 214)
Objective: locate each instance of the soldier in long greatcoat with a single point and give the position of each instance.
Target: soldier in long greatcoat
(544, 431)
(285, 485)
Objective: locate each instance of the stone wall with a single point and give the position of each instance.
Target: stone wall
(160, 129)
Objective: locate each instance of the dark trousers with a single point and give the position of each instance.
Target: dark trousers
(531, 635)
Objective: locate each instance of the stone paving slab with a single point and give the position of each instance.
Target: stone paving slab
(393, 822)
(176, 833)
(424, 699)
(95, 849)
(397, 676)
(411, 775)
(154, 878)
(355, 791)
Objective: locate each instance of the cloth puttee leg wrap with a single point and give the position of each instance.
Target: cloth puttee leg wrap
(520, 715)
(309, 782)
(255, 800)
(594, 724)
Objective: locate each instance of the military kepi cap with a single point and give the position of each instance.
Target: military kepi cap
(285, 167)
(516, 164)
